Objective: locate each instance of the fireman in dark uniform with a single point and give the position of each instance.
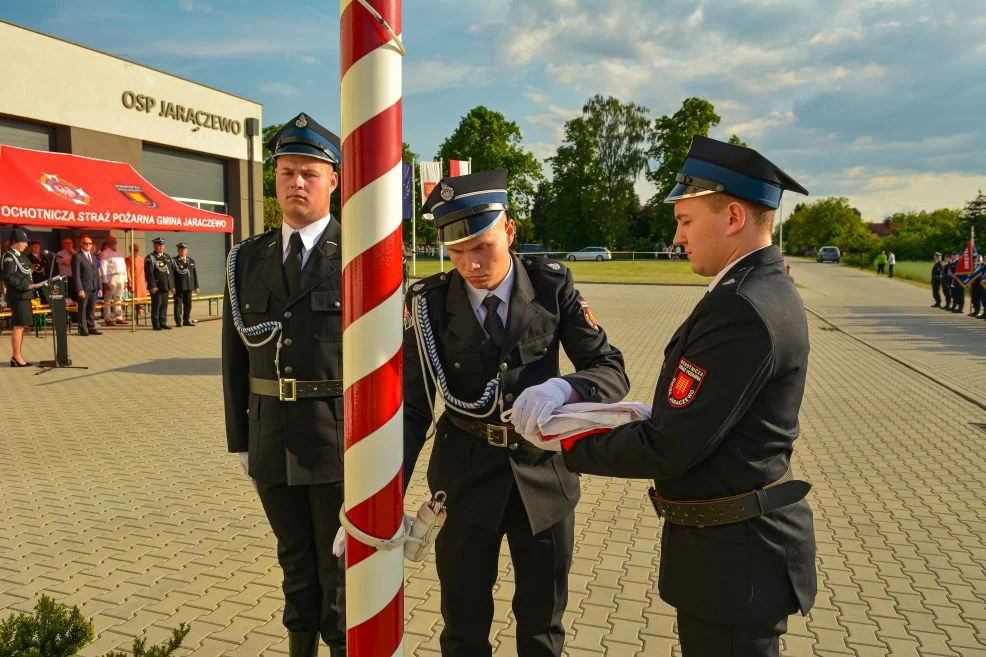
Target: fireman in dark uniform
(282, 380)
(186, 282)
(946, 282)
(491, 332)
(160, 276)
(725, 418)
(958, 290)
(936, 276)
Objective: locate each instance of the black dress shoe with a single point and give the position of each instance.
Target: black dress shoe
(14, 363)
(165, 327)
(302, 644)
(95, 332)
(157, 328)
(83, 335)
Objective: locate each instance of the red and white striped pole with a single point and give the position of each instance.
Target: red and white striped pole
(372, 324)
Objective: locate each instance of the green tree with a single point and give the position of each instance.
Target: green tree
(541, 212)
(492, 142)
(578, 193)
(974, 215)
(669, 141)
(620, 131)
(736, 141)
(828, 221)
(917, 235)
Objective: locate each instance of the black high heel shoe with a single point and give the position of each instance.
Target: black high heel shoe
(14, 363)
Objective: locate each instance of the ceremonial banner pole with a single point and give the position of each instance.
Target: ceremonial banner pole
(372, 243)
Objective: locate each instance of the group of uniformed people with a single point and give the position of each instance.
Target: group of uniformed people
(487, 338)
(946, 281)
(177, 276)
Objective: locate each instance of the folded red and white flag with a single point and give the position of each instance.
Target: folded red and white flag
(574, 421)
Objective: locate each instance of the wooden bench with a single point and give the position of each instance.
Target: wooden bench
(42, 312)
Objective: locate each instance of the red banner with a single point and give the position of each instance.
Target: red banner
(968, 260)
(58, 190)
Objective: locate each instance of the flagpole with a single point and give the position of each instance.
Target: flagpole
(441, 251)
(414, 222)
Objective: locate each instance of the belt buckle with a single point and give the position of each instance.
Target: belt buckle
(292, 395)
(496, 435)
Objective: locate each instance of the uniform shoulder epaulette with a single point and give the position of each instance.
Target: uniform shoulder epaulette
(258, 237)
(733, 281)
(428, 284)
(544, 264)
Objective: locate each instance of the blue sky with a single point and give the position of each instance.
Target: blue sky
(883, 101)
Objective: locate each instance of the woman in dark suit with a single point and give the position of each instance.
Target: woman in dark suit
(17, 278)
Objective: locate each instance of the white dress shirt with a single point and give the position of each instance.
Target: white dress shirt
(114, 265)
(727, 268)
(309, 235)
(502, 290)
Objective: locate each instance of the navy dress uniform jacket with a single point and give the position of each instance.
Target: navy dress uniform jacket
(544, 314)
(744, 349)
(300, 442)
(186, 275)
(159, 272)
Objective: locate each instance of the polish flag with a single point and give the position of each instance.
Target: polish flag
(459, 167)
(431, 173)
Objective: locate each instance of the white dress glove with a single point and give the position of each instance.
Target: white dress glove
(339, 544)
(536, 404)
(245, 464)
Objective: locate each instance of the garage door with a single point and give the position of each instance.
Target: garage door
(200, 181)
(25, 135)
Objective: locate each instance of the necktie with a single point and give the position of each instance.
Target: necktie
(292, 266)
(493, 324)
(89, 257)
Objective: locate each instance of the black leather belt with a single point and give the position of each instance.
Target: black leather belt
(497, 435)
(727, 510)
(290, 390)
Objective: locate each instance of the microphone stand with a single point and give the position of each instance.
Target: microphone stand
(57, 323)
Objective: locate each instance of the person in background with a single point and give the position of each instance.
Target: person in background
(85, 272)
(186, 282)
(975, 289)
(881, 262)
(958, 291)
(63, 259)
(160, 275)
(936, 272)
(137, 285)
(946, 282)
(114, 278)
(39, 268)
(891, 261)
(20, 289)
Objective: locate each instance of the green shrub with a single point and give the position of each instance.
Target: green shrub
(53, 630)
(163, 650)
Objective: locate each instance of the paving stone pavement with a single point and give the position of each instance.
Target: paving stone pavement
(128, 505)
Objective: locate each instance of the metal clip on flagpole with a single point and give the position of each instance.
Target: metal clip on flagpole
(385, 25)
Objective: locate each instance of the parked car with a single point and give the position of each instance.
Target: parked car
(829, 254)
(590, 253)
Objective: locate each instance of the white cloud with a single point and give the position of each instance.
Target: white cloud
(889, 192)
(534, 96)
(308, 59)
(433, 74)
(758, 127)
(195, 7)
(279, 88)
(553, 120)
